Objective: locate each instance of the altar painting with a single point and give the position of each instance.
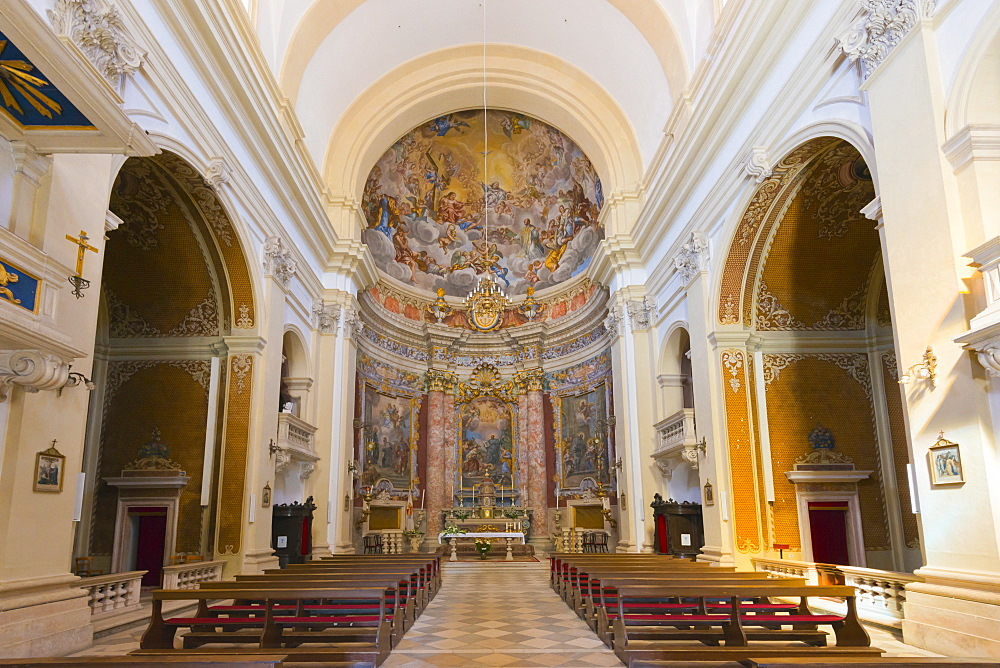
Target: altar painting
(388, 437)
(486, 442)
(584, 442)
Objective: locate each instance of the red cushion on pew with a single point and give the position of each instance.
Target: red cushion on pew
(793, 619)
(213, 621)
(671, 618)
(323, 620)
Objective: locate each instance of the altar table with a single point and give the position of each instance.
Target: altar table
(506, 535)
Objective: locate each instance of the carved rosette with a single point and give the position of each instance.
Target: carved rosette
(31, 369)
(692, 259)
(96, 27)
(278, 260)
(880, 27)
(326, 316)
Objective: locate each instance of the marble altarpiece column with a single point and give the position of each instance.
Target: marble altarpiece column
(440, 449)
(534, 474)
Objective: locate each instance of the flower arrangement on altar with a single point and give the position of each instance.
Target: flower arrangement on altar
(452, 530)
(483, 545)
(512, 514)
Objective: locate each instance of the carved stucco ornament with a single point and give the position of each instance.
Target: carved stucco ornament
(692, 258)
(96, 27)
(327, 316)
(278, 260)
(33, 370)
(880, 27)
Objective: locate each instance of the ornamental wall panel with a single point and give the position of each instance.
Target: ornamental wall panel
(742, 453)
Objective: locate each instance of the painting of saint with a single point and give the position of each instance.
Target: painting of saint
(386, 439)
(486, 442)
(427, 199)
(585, 450)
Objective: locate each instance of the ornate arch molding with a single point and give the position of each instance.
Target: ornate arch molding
(521, 79)
(746, 252)
(201, 198)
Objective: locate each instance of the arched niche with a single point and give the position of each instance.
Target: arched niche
(296, 379)
(803, 279)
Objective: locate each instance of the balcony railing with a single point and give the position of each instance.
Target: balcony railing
(676, 431)
(880, 594)
(296, 436)
(189, 576)
(113, 594)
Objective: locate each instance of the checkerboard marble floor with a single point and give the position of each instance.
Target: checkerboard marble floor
(495, 614)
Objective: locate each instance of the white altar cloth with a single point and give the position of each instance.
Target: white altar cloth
(507, 536)
(482, 534)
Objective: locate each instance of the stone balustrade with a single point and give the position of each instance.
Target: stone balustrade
(112, 594)
(189, 576)
(880, 594)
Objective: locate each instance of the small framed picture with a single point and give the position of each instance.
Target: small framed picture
(709, 494)
(49, 465)
(265, 496)
(945, 462)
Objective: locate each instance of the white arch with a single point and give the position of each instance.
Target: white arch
(521, 79)
(975, 95)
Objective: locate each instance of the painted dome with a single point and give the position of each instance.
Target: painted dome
(425, 197)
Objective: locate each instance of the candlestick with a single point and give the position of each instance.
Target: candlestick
(473, 495)
(423, 499)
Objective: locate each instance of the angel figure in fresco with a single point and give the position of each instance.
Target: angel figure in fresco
(514, 124)
(6, 278)
(442, 125)
(531, 273)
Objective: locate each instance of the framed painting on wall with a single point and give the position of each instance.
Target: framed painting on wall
(49, 465)
(389, 437)
(946, 463)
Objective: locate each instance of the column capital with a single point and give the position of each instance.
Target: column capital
(881, 26)
(692, 258)
(278, 261)
(531, 380)
(440, 381)
(326, 317)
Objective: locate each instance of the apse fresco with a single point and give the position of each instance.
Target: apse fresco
(486, 443)
(426, 197)
(388, 422)
(584, 437)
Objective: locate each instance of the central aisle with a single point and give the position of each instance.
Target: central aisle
(499, 614)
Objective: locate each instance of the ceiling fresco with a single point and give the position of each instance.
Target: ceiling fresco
(424, 201)
(29, 99)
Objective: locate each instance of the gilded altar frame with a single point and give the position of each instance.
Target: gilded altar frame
(485, 383)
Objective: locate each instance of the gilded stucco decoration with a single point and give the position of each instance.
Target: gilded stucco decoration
(440, 381)
(486, 381)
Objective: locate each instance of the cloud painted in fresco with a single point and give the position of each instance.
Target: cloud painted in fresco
(425, 198)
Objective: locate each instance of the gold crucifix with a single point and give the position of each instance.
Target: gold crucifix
(81, 242)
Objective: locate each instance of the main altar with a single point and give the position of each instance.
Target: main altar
(487, 502)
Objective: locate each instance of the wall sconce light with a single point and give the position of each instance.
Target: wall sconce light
(702, 445)
(272, 448)
(76, 378)
(923, 370)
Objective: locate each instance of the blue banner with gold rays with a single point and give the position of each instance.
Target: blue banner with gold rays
(29, 99)
(18, 287)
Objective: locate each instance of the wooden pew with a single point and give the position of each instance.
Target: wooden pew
(852, 639)
(432, 560)
(419, 574)
(601, 606)
(361, 638)
(204, 661)
(401, 616)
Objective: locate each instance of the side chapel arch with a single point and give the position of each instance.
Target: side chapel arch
(805, 261)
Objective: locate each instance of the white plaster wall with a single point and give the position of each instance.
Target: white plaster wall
(365, 45)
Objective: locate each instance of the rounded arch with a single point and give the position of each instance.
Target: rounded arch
(323, 16)
(521, 79)
(767, 203)
(676, 344)
(296, 352)
(975, 95)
